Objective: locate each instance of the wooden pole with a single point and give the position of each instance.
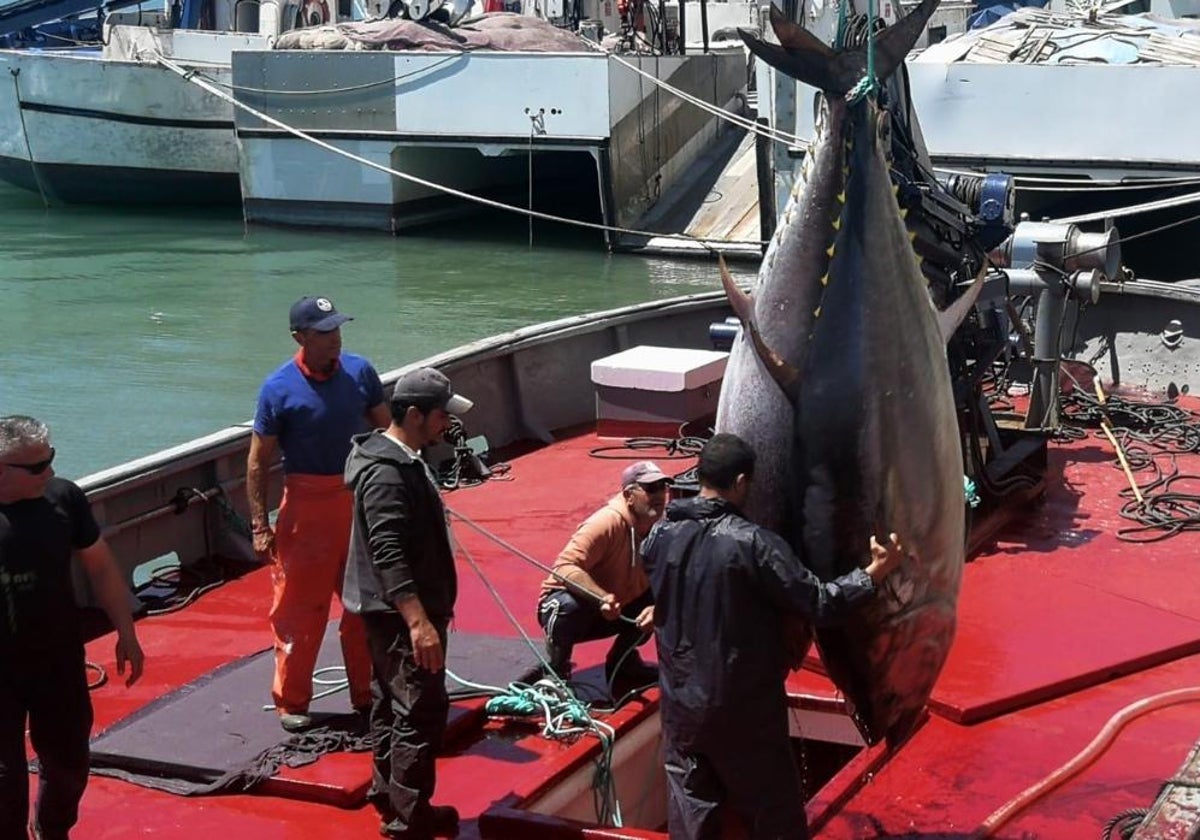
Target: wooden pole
(1117, 444)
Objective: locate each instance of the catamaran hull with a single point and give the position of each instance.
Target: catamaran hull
(78, 128)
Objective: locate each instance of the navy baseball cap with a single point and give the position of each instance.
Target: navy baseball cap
(316, 313)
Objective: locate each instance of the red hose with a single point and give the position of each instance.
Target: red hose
(1085, 757)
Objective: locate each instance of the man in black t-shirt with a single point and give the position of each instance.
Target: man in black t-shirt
(44, 520)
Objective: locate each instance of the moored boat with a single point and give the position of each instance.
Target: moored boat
(1062, 623)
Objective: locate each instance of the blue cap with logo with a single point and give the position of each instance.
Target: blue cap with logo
(316, 313)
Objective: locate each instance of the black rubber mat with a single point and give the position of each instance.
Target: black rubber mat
(213, 734)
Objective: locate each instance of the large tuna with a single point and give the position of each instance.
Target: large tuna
(840, 381)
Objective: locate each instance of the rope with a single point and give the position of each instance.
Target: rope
(1149, 432)
(334, 685)
(868, 85)
(101, 675)
(521, 555)
(564, 715)
(1132, 210)
(1124, 824)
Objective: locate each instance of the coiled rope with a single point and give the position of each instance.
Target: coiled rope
(1149, 433)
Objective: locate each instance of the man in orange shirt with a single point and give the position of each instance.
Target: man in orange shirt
(599, 588)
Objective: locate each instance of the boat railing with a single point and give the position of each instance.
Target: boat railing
(189, 500)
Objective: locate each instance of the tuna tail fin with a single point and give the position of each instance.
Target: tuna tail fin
(895, 42)
(785, 375)
(954, 314)
(799, 53)
(806, 57)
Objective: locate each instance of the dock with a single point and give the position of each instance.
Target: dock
(715, 207)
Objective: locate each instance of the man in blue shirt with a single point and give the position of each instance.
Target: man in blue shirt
(310, 408)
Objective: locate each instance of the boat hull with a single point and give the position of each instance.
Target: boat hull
(484, 123)
(79, 128)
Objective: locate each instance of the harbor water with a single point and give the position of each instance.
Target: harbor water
(131, 331)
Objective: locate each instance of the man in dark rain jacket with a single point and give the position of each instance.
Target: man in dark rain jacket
(400, 577)
(722, 587)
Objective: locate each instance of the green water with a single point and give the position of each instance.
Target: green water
(129, 332)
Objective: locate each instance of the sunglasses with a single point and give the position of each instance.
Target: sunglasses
(38, 468)
(657, 486)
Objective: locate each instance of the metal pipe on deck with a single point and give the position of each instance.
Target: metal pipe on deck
(1055, 263)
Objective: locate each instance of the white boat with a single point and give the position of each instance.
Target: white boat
(1087, 108)
(109, 124)
(588, 134)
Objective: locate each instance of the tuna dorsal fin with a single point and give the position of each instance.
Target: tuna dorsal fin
(806, 57)
(784, 374)
(953, 315)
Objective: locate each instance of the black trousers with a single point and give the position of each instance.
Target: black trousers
(568, 620)
(745, 766)
(408, 719)
(50, 691)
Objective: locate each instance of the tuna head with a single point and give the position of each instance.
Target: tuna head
(861, 362)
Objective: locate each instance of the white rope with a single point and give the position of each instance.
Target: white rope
(1043, 182)
(205, 84)
(1132, 210)
(774, 134)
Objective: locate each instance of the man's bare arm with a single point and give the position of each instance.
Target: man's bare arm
(113, 596)
(380, 417)
(258, 468)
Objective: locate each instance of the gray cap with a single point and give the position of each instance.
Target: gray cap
(431, 387)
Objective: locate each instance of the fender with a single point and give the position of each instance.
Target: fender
(314, 13)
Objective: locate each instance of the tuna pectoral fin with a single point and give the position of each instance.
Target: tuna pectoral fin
(787, 376)
(953, 315)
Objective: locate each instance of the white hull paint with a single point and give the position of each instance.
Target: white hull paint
(82, 127)
(631, 139)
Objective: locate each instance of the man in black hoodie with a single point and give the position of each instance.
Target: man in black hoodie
(400, 577)
(722, 586)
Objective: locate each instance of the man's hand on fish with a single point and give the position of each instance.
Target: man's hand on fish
(885, 557)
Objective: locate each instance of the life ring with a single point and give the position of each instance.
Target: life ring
(314, 13)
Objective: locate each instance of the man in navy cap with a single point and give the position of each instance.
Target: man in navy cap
(598, 588)
(310, 408)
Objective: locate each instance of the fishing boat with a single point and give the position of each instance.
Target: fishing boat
(148, 115)
(1073, 618)
(105, 123)
(1026, 96)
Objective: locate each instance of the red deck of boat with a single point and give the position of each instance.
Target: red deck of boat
(546, 494)
(1061, 625)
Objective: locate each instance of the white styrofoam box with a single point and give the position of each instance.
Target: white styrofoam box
(646, 368)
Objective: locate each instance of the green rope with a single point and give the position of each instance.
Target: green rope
(970, 491)
(867, 85)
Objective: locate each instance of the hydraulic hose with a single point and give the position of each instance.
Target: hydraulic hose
(1085, 757)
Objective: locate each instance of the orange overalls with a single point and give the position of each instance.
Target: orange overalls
(312, 535)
